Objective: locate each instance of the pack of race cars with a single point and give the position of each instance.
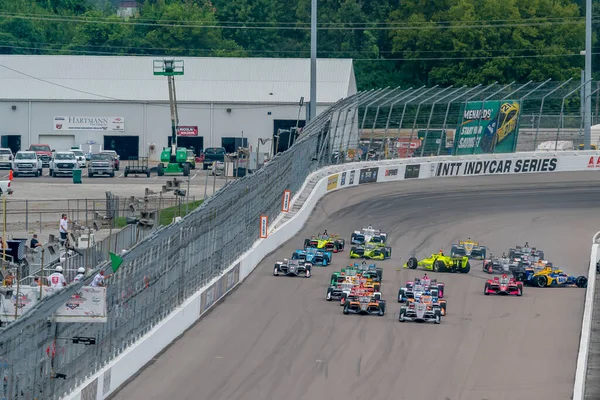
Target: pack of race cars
(357, 287)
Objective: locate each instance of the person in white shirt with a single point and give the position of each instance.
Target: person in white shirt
(80, 275)
(57, 280)
(99, 279)
(63, 228)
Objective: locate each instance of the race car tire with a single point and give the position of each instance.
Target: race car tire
(400, 296)
(381, 312)
(438, 317)
(306, 243)
(343, 299)
(511, 254)
(466, 269)
(540, 281)
(519, 290)
(379, 272)
(276, 271)
(541, 254)
(377, 286)
(346, 308)
(485, 290)
(328, 296)
(439, 266)
(441, 288)
(377, 296)
(401, 315)
(581, 282)
(412, 263)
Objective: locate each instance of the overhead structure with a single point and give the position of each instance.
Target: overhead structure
(174, 157)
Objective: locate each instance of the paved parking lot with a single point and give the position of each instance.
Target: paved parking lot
(37, 203)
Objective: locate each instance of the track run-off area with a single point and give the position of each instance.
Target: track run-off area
(278, 338)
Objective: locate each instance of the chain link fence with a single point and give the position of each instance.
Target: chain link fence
(175, 261)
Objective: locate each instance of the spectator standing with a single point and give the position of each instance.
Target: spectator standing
(80, 275)
(57, 280)
(36, 281)
(63, 228)
(34, 242)
(99, 279)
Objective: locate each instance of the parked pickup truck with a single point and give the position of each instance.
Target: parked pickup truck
(211, 155)
(27, 163)
(44, 153)
(63, 163)
(6, 158)
(5, 188)
(101, 163)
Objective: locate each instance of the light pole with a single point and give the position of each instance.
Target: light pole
(588, 75)
(312, 106)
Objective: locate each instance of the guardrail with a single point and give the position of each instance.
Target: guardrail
(586, 327)
(317, 185)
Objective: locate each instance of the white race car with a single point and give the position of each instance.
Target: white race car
(366, 235)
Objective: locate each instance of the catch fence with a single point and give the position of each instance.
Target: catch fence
(175, 261)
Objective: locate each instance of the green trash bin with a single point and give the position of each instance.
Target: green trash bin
(77, 176)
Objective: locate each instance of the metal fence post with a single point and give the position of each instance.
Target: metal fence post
(412, 131)
(542, 110)
(377, 116)
(561, 116)
(523, 98)
(26, 214)
(394, 101)
(368, 96)
(431, 116)
(417, 93)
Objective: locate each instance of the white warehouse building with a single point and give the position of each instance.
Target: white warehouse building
(118, 103)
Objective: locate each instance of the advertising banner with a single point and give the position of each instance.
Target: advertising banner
(264, 226)
(109, 124)
(343, 180)
(208, 298)
(391, 172)
(332, 181)
(187, 131)
(493, 167)
(412, 171)
(488, 127)
(368, 175)
(351, 177)
(285, 202)
(87, 305)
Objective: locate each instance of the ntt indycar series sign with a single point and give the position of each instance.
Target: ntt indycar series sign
(492, 167)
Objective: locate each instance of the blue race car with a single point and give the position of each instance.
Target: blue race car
(313, 256)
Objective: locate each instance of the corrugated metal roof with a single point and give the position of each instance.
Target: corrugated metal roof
(261, 80)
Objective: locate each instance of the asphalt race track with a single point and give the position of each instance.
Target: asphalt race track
(277, 338)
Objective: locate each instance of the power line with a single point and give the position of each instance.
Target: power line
(275, 24)
(183, 24)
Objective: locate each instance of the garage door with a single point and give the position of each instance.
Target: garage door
(58, 142)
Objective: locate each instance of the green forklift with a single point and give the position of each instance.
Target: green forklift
(173, 160)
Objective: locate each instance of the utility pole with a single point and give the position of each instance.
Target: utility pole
(588, 76)
(312, 106)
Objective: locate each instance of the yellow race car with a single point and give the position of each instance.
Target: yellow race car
(438, 262)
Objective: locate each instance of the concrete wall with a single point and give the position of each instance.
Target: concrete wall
(150, 122)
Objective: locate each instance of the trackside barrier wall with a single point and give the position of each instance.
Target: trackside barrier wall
(331, 178)
(586, 327)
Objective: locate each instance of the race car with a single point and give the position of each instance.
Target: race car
(470, 249)
(499, 265)
(326, 241)
(366, 235)
(420, 312)
(371, 251)
(503, 286)
(313, 256)
(438, 262)
(370, 271)
(431, 298)
(366, 305)
(291, 268)
(549, 276)
(525, 250)
(337, 290)
(414, 289)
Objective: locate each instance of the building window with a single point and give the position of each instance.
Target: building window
(231, 144)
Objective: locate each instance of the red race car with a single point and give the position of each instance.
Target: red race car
(503, 286)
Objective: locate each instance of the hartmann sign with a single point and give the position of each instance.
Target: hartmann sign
(108, 124)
